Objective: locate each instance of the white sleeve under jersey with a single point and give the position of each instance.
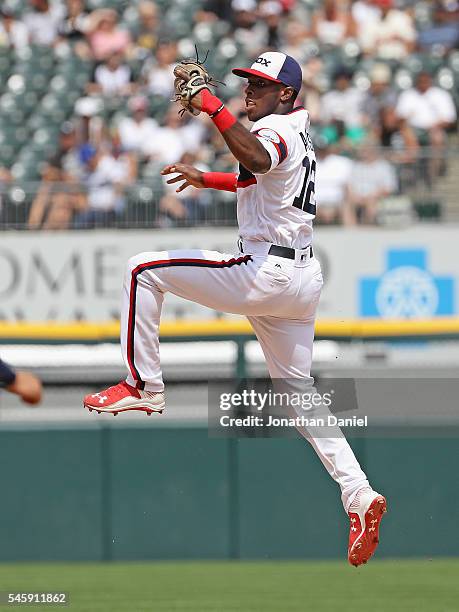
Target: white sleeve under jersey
(278, 206)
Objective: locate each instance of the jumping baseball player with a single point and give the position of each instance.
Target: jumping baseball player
(274, 279)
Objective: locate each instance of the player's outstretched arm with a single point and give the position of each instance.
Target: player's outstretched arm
(191, 176)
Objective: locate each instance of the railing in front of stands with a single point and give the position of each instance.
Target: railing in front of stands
(424, 188)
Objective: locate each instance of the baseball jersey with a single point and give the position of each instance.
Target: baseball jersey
(279, 205)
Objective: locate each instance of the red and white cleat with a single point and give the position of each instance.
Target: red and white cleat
(123, 397)
(365, 514)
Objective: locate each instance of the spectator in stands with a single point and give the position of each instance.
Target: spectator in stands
(110, 172)
(444, 32)
(176, 136)
(295, 40)
(249, 31)
(342, 108)
(385, 28)
(363, 13)
(55, 202)
(401, 146)
(159, 73)
(396, 135)
(43, 21)
(312, 91)
(212, 10)
(331, 184)
(332, 23)
(430, 111)
(73, 27)
(90, 127)
(288, 5)
(13, 32)
(139, 130)
(187, 207)
(372, 178)
(112, 78)
(60, 194)
(105, 36)
(270, 11)
(380, 95)
(392, 36)
(149, 28)
(5, 178)
(68, 157)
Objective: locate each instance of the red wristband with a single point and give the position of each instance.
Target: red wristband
(216, 110)
(209, 102)
(225, 181)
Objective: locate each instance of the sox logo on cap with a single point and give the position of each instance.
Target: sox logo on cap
(263, 61)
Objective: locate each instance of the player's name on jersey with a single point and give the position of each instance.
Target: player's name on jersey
(299, 421)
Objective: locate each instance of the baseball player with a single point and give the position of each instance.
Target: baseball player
(274, 278)
(21, 383)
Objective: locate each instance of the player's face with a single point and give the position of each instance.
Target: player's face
(262, 97)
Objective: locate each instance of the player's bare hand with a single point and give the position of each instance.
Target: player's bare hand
(27, 386)
(187, 175)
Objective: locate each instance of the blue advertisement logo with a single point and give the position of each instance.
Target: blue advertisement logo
(406, 289)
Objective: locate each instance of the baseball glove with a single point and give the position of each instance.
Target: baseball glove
(191, 77)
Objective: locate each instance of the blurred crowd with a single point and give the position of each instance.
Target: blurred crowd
(381, 83)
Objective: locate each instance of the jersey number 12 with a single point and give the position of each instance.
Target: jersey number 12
(306, 200)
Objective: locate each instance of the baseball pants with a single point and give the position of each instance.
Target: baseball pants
(279, 296)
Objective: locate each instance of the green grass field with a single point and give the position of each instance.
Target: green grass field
(380, 586)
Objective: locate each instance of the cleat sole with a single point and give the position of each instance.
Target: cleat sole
(149, 411)
(363, 550)
(139, 408)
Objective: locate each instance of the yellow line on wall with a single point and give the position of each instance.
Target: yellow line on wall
(330, 328)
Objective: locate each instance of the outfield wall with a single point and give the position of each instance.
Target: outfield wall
(112, 493)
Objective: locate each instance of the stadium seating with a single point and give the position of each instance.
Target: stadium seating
(39, 85)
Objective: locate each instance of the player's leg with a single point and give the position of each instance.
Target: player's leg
(209, 278)
(218, 281)
(287, 346)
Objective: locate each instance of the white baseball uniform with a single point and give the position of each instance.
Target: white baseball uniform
(278, 295)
